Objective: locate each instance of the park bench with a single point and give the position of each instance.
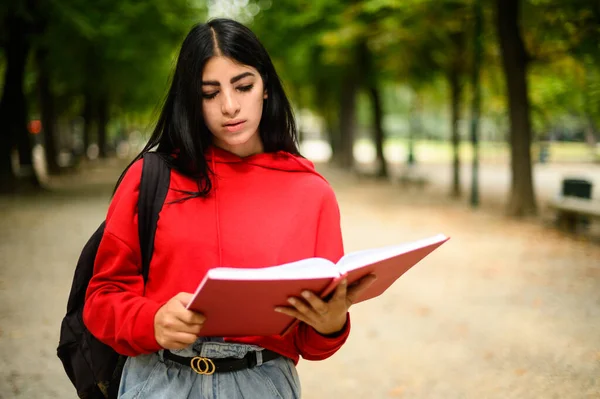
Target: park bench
(570, 210)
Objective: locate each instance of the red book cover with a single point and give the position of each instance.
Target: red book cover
(241, 302)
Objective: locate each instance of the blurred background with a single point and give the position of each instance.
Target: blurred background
(476, 118)
(376, 85)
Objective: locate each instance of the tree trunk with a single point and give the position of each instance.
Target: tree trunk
(347, 114)
(368, 79)
(455, 72)
(102, 126)
(455, 99)
(13, 106)
(333, 132)
(379, 134)
(25, 151)
(88, 122)
(590, 134)
(514, 63)
(590, 131)
(414, 126)
(476, 99)
(48, 112)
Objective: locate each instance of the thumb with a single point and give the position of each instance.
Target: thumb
(184, 298)
(362, 284)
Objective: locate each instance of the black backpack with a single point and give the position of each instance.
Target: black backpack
(93, 367)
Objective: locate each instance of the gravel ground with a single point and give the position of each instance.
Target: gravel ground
(505, 309)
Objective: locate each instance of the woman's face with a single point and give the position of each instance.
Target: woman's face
(232, 103)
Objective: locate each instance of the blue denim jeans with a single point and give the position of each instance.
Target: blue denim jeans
(153, 377)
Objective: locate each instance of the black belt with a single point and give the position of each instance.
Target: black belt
(204, 365)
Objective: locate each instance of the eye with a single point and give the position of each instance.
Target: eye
(245, 88)
(209, 96)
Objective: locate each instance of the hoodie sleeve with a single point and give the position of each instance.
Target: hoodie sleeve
(312, 345)
(115, 311)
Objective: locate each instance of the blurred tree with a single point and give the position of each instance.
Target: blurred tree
(455, 73)
(16, 31)
(414, 42)
(105, 58)
(336, 74)
(47, 110)
(370, 74)
(591, 100)
(326, 56)
(45, 96)
(563, 32)
(514, 61)
(423, 40)
(122, 53)
(476, 100)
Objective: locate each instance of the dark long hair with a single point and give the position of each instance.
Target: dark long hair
(180, 128)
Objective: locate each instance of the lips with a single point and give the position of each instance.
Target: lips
(234, 125)
(234, 122)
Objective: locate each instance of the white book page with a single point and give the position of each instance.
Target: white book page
(303, 269)
(356, 260)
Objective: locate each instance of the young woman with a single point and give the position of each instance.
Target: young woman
(240, 195)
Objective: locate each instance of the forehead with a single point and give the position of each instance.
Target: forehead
(224, 68)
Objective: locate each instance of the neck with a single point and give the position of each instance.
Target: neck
(243, 150)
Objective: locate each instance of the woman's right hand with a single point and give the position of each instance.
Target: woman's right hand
(175, 327)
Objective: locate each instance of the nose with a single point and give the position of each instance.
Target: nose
(230, 105)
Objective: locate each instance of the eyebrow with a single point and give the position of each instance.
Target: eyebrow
(232, 80)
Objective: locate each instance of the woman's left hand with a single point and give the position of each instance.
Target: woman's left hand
(326, 317)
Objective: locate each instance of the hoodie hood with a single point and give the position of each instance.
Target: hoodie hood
(279, 160)
(235, 176)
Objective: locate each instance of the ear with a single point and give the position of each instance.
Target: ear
(265, 95)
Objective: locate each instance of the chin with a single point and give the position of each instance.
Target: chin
(235, 139)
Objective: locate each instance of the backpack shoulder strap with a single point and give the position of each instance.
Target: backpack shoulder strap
(154, 186)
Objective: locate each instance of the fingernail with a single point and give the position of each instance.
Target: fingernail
(278, 310)
(291, 301)
(306, 294)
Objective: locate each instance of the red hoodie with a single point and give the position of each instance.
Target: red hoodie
(264, 210)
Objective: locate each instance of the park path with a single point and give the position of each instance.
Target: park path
(505, 309)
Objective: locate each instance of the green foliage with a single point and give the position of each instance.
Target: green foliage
(563, 40)
(125, 49)
(119, 49)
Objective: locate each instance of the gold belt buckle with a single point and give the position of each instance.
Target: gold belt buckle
(202, 365)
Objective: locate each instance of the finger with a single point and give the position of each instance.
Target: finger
(186, 337)
(184, 298)
(292, 312)
(182, 338)
(190, 329)
(174, 324)
(316, 303)
(362, 284)
(341, 290)
(303, 308)
(177, 345)
(190, 317)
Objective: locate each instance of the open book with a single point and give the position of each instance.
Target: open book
(241, 302)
